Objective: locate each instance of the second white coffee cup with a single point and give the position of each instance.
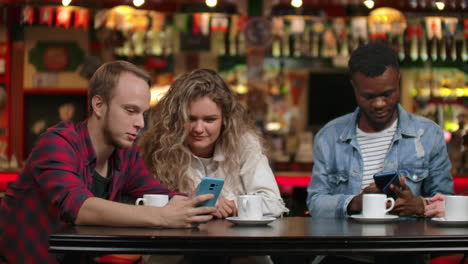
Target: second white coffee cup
(375, 205)
(456, 207)
(249, 207)
(153, 200)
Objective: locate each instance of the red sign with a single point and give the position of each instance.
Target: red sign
(56, 58)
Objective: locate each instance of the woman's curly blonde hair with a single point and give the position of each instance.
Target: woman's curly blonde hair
(163, 145)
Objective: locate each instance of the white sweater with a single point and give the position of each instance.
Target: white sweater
(253, 177)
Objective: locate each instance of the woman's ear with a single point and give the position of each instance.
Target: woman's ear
(99, 105)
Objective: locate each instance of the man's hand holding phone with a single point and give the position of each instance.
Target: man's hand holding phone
(181, 211)
(406, 203)
(383, 180)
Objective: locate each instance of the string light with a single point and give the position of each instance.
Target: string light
(66, 2)
(138, 3)
(211, 3)
(296, 3)
(440, 4)
(369, 3)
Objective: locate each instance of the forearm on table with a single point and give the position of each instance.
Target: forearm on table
(97, 211)
(325, 205)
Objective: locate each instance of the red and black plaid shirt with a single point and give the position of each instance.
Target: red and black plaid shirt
(55, 182)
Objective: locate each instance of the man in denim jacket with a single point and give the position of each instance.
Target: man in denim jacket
(415, 146)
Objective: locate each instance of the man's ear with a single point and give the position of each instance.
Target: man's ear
(98, 105)
(352, 84)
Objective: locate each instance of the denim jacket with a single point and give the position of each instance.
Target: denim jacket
(417, 151)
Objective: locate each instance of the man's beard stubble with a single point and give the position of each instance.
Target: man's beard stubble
(108, 137)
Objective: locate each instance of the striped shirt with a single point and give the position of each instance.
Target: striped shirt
(374, 148)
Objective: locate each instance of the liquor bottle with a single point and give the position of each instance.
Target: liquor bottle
(414, 48)
(169, 40)
(232, 45)
(156, 48)
(453, 50)
(306, 42)
(218, 45)
(401, 47)
(285, 45)
(424, 53)
(240, 44)
(464, 50)
(297, 45)
(324, 48)
(276, 47)
(315, 45)
(443, 49)
(344, 50)
(221, 43)
(434, 49)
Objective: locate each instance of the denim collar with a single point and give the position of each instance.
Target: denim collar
(405, 126)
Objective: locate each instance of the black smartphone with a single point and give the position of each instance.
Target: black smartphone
(384, 179)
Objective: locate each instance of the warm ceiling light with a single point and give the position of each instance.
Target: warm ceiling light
(211, 3)
(66, 2)
(440, 5)
(138, 3)
(296, 3)
(369, 3)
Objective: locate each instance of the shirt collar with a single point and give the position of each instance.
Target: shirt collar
(405, 126)
(89, 152)
(218, 156)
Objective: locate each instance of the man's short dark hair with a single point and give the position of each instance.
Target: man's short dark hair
(372, 59)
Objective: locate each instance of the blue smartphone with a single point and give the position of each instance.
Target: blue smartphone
(210, 185)
(384, 179)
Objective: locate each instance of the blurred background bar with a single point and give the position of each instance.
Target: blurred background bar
(287, 61)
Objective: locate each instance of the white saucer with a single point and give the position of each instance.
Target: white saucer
(443, 221)
(264, 221)
(386, 218)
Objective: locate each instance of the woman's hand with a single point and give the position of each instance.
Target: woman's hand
(225, 208)
(436, 206)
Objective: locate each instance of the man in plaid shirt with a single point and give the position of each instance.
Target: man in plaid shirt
(75, 173)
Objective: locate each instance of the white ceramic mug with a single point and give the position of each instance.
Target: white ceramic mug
(153, 200)
(375, 205)
(249, 207)
(456, 207)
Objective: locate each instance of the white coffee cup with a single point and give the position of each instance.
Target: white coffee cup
(153, 200)
(456, 207)
(249, 207)
(375, 205)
